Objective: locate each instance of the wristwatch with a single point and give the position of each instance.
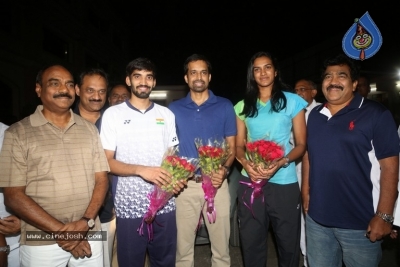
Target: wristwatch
(386, 217)
(228, 170)
(90, 222)
(5, 249)
(287, 162)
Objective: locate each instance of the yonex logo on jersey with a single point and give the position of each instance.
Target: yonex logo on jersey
(160, 121)
(127, 121)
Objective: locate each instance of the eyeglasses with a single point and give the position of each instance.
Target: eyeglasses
(116, 96)
(302, 90)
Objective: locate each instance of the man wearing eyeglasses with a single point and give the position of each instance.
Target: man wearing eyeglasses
(118, 94)
(307, 89)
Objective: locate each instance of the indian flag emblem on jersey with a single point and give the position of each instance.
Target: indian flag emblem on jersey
(160, 121)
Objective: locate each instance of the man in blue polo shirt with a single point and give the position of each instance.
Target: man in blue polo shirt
(204, 115)
(350, 172)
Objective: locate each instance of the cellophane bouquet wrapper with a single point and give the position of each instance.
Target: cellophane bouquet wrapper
(213, 153)
(180, 168)
(262, 153)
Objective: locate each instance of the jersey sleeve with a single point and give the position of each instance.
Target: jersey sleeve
(108, 134)
(297, 104)
(238, 109)
(173, 138)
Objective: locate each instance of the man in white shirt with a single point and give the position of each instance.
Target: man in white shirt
(307, 89)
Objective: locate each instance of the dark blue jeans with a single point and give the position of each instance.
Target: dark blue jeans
(327, 246)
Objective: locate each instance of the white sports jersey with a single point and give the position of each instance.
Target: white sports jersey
(137, 138)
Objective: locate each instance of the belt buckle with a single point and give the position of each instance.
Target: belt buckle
(198, 178)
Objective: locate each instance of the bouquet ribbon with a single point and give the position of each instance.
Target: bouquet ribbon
(149, 230)
(158, 198)
(257, 192)
(209, 193)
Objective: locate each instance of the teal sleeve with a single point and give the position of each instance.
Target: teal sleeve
(238, 109)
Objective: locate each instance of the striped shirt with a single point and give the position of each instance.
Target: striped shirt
(57, 166)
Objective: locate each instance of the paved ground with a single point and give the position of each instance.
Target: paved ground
(391, 255)
(202, 255)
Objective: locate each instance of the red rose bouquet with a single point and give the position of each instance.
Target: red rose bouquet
(213, 153)
(180, 168)
(262, 153)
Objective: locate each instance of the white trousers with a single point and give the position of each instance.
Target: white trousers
(55, 256)
(13, 257)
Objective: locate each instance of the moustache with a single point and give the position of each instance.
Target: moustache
(198, 81)
(143, 86)
(334, 86)
(62, 95)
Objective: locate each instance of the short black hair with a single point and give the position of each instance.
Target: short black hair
(342, 59)
(366, 78)
(196, 57)
(90, 72)
(118, 84)
(141, 63)
(311, 82)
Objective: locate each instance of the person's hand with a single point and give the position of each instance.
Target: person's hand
(269, 171)
(10, 225)
(180, 184)
(253, 174)
(155, 175)
(217, 177)
(71, 234)
(393, 234)
(3, 254)
(378, 229)
(82, 250)
(3, 259)
(306, 201)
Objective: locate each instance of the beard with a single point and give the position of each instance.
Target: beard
(139, 94)
(198, 88)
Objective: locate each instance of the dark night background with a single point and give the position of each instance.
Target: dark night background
(108, 34)
(229, 34)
